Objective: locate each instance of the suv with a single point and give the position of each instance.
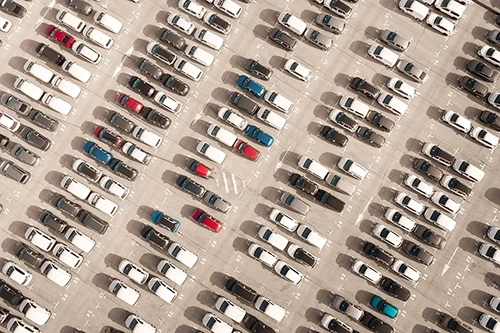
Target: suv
(283, 39)
(92, 222)
(10, 294)
(440, 155)
(303, 184)
(52, 221)
(378, 254)
(241, 291)
(453, 324)
(50, 54)
(294, 203)
(330, 200)
(259, 70)
(65, 205)
(343, 120)
(456, 186)
(342, 305)
(190, 186)
(364, 87)
(29, 255)
(244, 103)
(427, 169)
(172, 38)
(154, 237)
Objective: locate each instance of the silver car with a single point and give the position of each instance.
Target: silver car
(317, 38)
(394, 40)
(294, 203)
(330, 23)
(216, 202)
(24, 155)
(342, 305)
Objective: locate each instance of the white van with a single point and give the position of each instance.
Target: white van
(127, 294)
(137, 325)
(79, 239)
(34, 312)
(188, 69)
(199, 55)
(212, 153)
(16, 325)
(70, 20)
(65, 86)
(209, 38)
(468, 170)
(314, 168)
(352, 168)
(340, 184)
(230, 309)
(55, 273)
(271, 118)
(222, 135)
(76, 71)
(42, 73)
(76, 188)
(146, 136)
(102, 203)
(98, 37)
(29, 89)
(57, 104)
(269, 308)
(107, 21)
(435, 216)
(67, 256)
(172, 272)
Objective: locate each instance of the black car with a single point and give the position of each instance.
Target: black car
(491, 119)
(50, 54)
(43, 120)
(240, 290)
(302, 255)
(12, 8)
(81, 6)
(330, 201)
(429, 236)
(481, 70)
(217, 22)
(16, 104)
(418, 253)
(190, 186)
(92, 222)
(378, 254)
(342, 119)
(34, 138)
(174, 84)
(254, 325)
(88, 171)
(4, 141)
(334, 136)
(141, 86)
(375, 324)
(10, 294)
(364, 87)
(162, 53)
(453, 324)
(121, 122)
(154, 237)
(395, 289)
(156, 118)
(122, 169)
(53, 222)
(283, 39)
(257, 69)
(172, 38)
(303, 184)
(473, 86)
(243, 102)
(29, 255)
(149, 68)
(65, 205)
(379, 120)
(427, 169)
(366, 134)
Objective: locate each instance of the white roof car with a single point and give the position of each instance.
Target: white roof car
(232, 118)
(354, 105)
(67, 256)
(137, 325)
(229, 7)
(209, 151)
(57, 104)
(188, 69)
(451, 8)
(314, 168)
(127, 294)
(283, 220)
(192, 8)
(147, 137)
(134, 272)
(41, 72)
(209, 38)
(494, 303)
(76, 188)
(292, 22)
(414, 8)
(269, 308)
(231, 310)
(489, 54)
(102, 203)
(454, 119)
(493, 233)
(70, 20)
(444, 222)
(180, 23)
(172, 272)
(162, 290)
(311, 236)
(65, 86)
(167, 102)
(17, 273)
(76, 71)
(366, 271)
(271, 118)
(28, 88)
(278, 101)
(401, 88)
(34, 312)
(328, 321)
(405, 270)
(418, 185)
(383, 54)
(262, 254)
(288, 272)
(16, 325)
(215, 324)
(393, 104)
(489, 323)
(79, 239)
(494, 100)
(445, 202)
(387, 235)
(86, 52)
(6, 121)
(182, 254)
(113, 187)
(468, 170)
(107, 21)
(399, 219)
(40, 239)
(5, 24)
(299, 71)
(98, 37)
(217, 22)
(407, 202)
(490, 252)
(199, 55)
(54, 273)
(354, 169)
(136, 153)
(272, 237)
(440, 24)
(484, 137)
(222, 135)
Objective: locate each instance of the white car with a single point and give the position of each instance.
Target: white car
(40, 239)
(288, 272)
(407, 202)
(383, 54)
(107, 21)
(34, 312)
(406, 271)
(399, 219)
(494, 303)
(440, 24)
(17, 273)
(269, 308)
(278, 101)
(67, 256)
(162, 290)
(199, 55)
(136, 153)
(271, 118)
(188, 69)
(86, 52)
(354, 106)
(76, 188)
(459, 122)
(262, 254)
(215, 324)
(16, 325)
(445, 202)
(452, 8)
(444, 222)
(354, 169)
(76, 71)
(311, 236)
(167, 102)
(70, 20)
(366, 271)
(57, 104)
(5, 24)
(182, 254)
(41, 72)
(6, 121)
(489, 54)
(484, 137)
(489, 323)
(418, 185)
(292, 22)
(180, 23)
(222, 135)
(192, 8)
(79, 239)
(273, 238)
(283, 220)
(147, 137)
(401, 88)
(54, 273)
(209, 38)
(314, 168)
(490, 252)
(127, 294)
(493, 233)
(232, 118)
(299, 71)
(414, 8)
(137, 325)
(229, 7)
(102, 203)
(387, 235)
(468, 170)
(230, 309)
(28, 88)
(65, 86)
(393, 104)
(171, 272)
(209, 151)
(134, 272)
(494, 100)
(113, 187)
(98, 37)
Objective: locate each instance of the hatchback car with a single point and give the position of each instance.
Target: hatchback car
(399, 219)
(418, 253)
(342, 119)
(371, 137)
(217, 22)
(394, 40)
(338, 7)
(364, 87)
(332, 24)
(190, 186)
(473, 86)
(298, 70)
(384, 307)
(259, 135)
(319, 39)
(441, 24)
(207, 220)
(283, 39)
(180, 23)
(283, 220)
(481, 70)
(427, 169)
(429, 236)
(192, 8)
(378, 254)
(407, 202)
(401, 88)
(484, 137)
(35, 138)
(334, 136)
(154, 237)
(250, 85)
(413, 71)
(457, 121)
(343, 305)
(257, 69)
(134, 272)
(379, 120)
(406, 271)
(365, 271)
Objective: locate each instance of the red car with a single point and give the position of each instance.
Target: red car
(62, 37)
(108, 137)
(207, 221)
(198, 168)
(247, 150)
(130, 103)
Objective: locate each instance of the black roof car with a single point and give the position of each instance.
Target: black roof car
(344, 120)
(149, 68)
(122, 169)
(10, 294)
(80, 6)
(283, 39)
(121, 122)
(303, 256)
(162, 54)
(217, 22)
(65, 205)
(173, 83)
(13, 171)
(92, 222)
(330, 23)
(427, 169)
(473, 86)
(88, 171)
(418, 253)
(172, 38)
(429, 236)
(254, 325)
(257, 69)
(329, 200)
(243, 292)
(395, 289)
(34, 138)
(243, 102)
(453, 324)
(377, 253)
(50, 54)
(43, 120)
(4, 141)
(12, 8)
(154, 237)
(369, 136)
(481, 70)
(53, 222)
(141, 86)
(156, 118)
(29, 255)
(394, 40)
(491, 119)
(16, 104)
(364, 87)
(375, 324)
(190, 186)
(303, 184)
(334, 136)
(379, 120)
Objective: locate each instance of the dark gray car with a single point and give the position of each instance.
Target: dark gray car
(381, 121)
(473, 86)
(43, 120)
(294, 203)
(334, 136)
(378, 254)
(367, 135)
(16, 104)
(24, 155)
(283, 39)
(11, 170)
(257, 69)
(418, 253)
(34, 138)
(65, 205)
(453, 324)
(481, 70)
(364, 87)
(149, 68)
(190, 186)
(50, 220)
(172, 38)
(317, 38)
(121, 122)
(491, 119)
(394, 40)
(92, 222)
(80, 6)
(29, 255)
(333, 24)
(216, 202)
(244, 103)
(427, 168)
(50, 54)
(429, 236)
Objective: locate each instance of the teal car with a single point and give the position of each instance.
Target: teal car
(382, 306)
(250, 85)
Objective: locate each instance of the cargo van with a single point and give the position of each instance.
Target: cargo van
(107, 21)
(188, 69)
(77, 71)
(65, 86)
(98, 37)
(199, 55)
(222, 135)
(75, 187)
(29, 89)
(42, 73)
(212, 153)
(315, 168)
(209, 38)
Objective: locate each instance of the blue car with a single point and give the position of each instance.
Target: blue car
(250, 85)
(384, 307)
(260, 136)
(163, 220)
(97, 153)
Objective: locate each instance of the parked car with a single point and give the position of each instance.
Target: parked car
(381, 121)
(283, 220)
(481, 70)
(427, 169)
(364, 87)
(429, 236)
(384, 307)
(341, 304)
(283, 39)
(342, 119)
(294, 203)
(365, 271)
(262, 254)
(395, 289)
(387, 235)
(383, 54)
(418, 253)
(441, 24)
(374, 324)
(409, 203)
(206, 220)
(437, 153)
(354, 169)
(414, 8)
(354, 106)
(473, 86)
(453, 324)
(330, 23)
(217, 22)
(298, 70)
(165, 221)
(371, 137)
(418, 185)
(378, 254)
(394, 40)
(134, 272)
(257, 69)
